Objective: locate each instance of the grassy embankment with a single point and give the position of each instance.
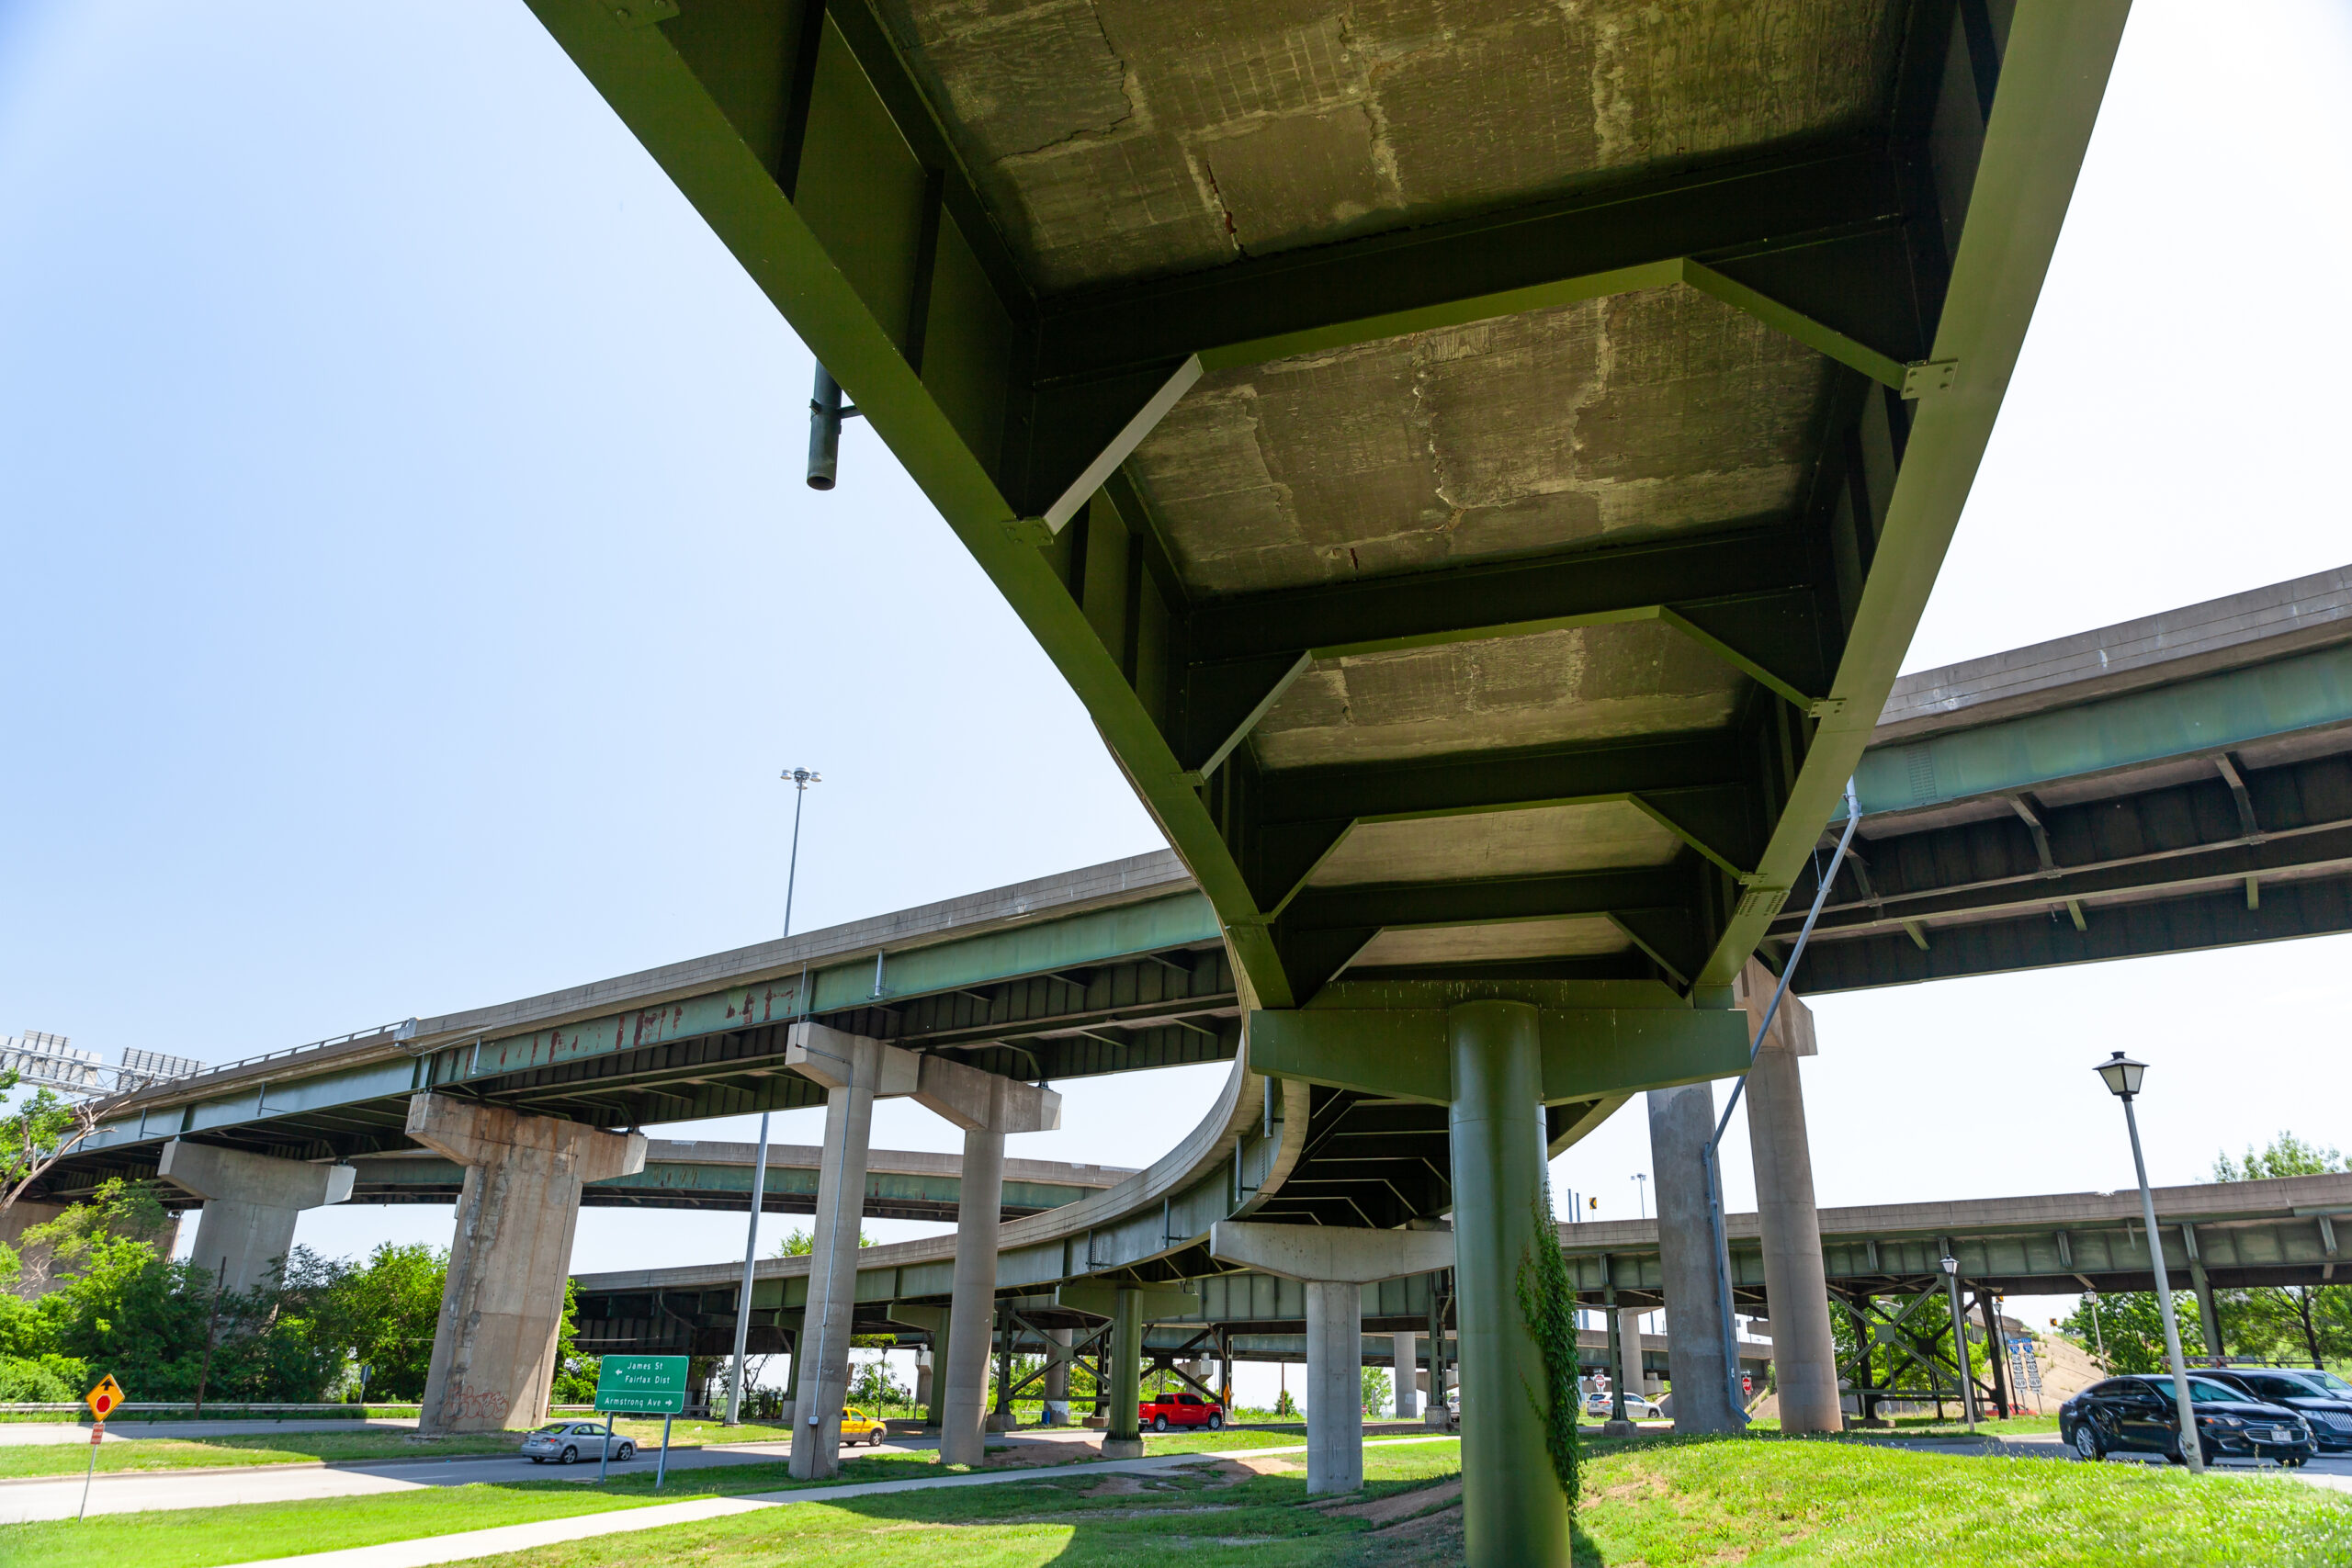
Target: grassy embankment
(1662, 1503)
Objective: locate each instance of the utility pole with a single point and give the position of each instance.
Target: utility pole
(1641, 1180)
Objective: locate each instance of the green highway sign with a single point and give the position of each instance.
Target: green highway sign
(646, 1384)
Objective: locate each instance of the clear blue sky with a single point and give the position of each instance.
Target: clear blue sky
(412, 596)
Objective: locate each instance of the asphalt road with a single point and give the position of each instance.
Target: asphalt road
(14, 1432)
(141, 1491)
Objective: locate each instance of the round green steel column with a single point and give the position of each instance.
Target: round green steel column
(1512, 1513)
(1123, 1437)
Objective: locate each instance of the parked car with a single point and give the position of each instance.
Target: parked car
(2138, 1414)
(568, 1441)
(1180, 1410)
(856, 1424)
(1599, 1402)
(2307, 1392)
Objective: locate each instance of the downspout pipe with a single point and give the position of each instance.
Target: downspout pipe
(1711, 1157)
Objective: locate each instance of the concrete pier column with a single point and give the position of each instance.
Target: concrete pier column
(1334, 1386)
(1805, 1354)
(494, 1348)
(977, 1216)
(930, 1393)
(33, 1262)
(1512, 1513)
(987, 1107)
(1680, 1120)
(1123, 1437)
(1631, 1375)
(923, 1379)
(251, 1202)
(1056, 1378)
(854, 1070)
(1409, 1402)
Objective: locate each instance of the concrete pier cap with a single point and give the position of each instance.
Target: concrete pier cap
(251, 1204)
(1336, 1264)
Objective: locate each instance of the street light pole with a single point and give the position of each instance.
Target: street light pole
(801, 779)
(1641, 1186)
(743, 1298)
(2122, 1075)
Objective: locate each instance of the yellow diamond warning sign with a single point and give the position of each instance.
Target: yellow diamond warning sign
(104, 1399)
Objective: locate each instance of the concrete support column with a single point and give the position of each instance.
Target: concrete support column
(978, 1217)
(251, 1202)
(1056, 1378)
(930, 1393)
(1680, 1120)
(1631, 1375)
(987, 1107)
(1408, 1403)
(1124, 1437)
(1334, 1386)
(1512, 1513)
(493, 1349)
(854, 1069)
(33, 1261)
(1805, 1354)
(922, 1378)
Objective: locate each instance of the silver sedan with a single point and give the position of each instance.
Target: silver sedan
(566, 1443)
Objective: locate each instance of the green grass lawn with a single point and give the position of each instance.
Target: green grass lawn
(1660, 1504)
(332, 1448)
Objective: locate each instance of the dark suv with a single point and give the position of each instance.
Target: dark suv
(2138, 1414)
(2322, 1399)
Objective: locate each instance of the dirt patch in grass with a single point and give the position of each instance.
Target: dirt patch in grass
(1232, 1471)
(1436, 1536)
(1117, 1486)
(1401, 1504)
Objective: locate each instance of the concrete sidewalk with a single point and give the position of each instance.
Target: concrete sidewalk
(429, 1549)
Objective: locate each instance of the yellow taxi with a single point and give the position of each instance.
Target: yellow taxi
(858, 1424)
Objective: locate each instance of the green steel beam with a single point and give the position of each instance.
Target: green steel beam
(2052, 75)
(1403, 1053)
(1452, 275)
(2201, 716)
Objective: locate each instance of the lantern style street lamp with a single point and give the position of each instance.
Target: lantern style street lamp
(2122, 1075)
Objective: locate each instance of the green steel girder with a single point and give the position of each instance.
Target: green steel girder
(2218, 917)
(827, 174)
(2200, 716)
(1810, 201)
(2177, 836)
(1403, 1053)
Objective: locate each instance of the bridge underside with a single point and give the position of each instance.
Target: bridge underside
(1478, 477)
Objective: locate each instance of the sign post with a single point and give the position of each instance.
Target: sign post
(102, 1400)
(642, 1385)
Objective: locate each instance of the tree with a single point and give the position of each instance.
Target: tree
(2133, 1330)
(1376, 1390)
(2280, 1322)
(394, 1306)
(799, 1244)
(37, 1135)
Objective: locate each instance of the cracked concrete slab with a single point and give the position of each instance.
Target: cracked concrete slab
(1607, 835)
(1585, 684)
(1636, 416)
(1427, 946)
(1463, 105)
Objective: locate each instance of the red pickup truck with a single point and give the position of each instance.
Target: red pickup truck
(1180, 1410)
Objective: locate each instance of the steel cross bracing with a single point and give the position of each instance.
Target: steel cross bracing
(1120, 383)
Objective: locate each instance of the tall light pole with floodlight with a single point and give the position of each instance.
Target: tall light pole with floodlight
(1641, 1187)
(800, 778)
(2122, 1075)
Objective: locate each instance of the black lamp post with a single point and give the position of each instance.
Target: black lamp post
(1951, 1267)
(2122, 1075)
